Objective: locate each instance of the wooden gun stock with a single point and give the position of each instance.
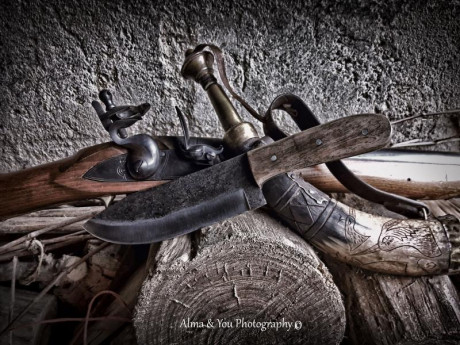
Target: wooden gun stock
(413, 174)
(62, 181)
(58, 182)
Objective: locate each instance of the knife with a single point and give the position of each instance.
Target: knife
(234, 186)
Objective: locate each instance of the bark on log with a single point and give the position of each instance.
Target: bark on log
(247, 267)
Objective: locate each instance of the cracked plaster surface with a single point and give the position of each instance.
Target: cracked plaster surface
(391, 57)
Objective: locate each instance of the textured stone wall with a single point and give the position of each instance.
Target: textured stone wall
(341, 57)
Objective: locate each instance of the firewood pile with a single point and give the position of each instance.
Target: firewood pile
(60, 285)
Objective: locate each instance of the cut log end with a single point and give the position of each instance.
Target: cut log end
(246, 280)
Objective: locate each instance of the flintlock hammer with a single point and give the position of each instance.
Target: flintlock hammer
(263, 176)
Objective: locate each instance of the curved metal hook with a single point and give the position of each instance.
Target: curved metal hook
(199, 153)
(143, 152)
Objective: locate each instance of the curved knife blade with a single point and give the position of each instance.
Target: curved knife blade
(233, 187)
(180, 206)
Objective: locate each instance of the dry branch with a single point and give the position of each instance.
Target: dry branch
(48, 218)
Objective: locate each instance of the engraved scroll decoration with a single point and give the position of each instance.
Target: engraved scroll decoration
(395, 246)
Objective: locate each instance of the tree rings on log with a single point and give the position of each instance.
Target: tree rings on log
(245, 280)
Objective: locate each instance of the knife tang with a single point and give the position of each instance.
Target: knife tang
(344, 137)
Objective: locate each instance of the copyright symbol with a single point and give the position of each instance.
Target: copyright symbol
(298, 325)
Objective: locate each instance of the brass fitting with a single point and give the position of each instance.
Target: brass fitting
(198, 66)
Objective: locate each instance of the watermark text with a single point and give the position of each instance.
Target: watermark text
(277, 325)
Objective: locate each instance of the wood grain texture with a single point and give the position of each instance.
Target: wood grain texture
(381, 175)
(46, 218)
(338, 139)
(389, 310)
(247, 267)
(61, 181)
(440, 208)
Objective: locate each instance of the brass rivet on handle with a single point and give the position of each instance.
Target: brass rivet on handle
(273, 158)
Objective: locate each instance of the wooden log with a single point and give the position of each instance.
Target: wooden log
(81, 284)
(384, 309)
(91, 277)
(45, 308)
(47, 218)
(390, 310)
(221, 285)
(127, 283)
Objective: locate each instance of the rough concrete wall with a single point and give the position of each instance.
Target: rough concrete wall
(341, 57)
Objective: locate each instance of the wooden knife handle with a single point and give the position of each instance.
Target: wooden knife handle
(62, 181)
(387, 245)
(345, 137)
